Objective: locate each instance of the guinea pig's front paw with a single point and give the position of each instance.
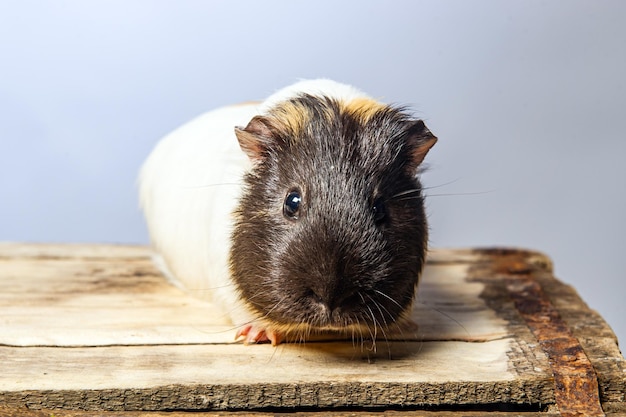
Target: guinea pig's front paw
(252, 334)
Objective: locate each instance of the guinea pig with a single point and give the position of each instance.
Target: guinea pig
(297, 215)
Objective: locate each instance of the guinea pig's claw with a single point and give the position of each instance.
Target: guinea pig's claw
(250, 335)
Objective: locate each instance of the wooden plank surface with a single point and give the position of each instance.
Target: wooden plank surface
(98, 328)
(84, 298)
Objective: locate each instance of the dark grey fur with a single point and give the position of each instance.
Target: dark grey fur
(354, 252)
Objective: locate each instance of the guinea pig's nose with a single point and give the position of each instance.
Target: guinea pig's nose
(336, 300)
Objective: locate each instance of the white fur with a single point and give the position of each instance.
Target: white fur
(319, 87)
(190, 185)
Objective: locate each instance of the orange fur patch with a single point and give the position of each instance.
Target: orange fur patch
(363, 108)
(292, 117)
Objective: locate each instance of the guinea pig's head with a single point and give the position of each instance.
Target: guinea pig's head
(330, 232)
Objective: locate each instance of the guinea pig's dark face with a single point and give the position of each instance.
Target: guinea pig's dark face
(331, 230)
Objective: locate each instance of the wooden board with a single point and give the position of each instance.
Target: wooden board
(98, 328)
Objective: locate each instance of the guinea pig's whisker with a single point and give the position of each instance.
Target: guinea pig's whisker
(400, 330)
(383, 329)
(372, 347)
(362, 335)
(382, 315)
(275, 306)
(459, 194)
(411, 192)
(208, 289)
(361, 338)
(302, 336)
(388, 297)
(444, 314)
(430, 187)
(353, 337)
(383, 310)
(374, 322)
(258, 294)
(415, 195)
(371, 313)
(358, 328)
(417, 192)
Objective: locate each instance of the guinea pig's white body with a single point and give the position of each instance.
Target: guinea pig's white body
(190, 185)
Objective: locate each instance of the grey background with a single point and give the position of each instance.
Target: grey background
(527, 97)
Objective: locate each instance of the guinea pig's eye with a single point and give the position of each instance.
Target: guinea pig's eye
(379, 211)
(291, 207)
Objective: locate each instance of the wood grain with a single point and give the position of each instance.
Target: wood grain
(98, 328)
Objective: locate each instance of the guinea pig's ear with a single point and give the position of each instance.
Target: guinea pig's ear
(420, 140)
(255, 139)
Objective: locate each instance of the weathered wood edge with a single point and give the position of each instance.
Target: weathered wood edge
(292, 396)
(584, 350)
(597, 340)
(23, 412)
